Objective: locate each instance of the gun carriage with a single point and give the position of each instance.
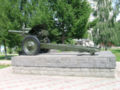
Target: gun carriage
(36, 41)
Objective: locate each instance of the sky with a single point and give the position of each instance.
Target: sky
(118, 17)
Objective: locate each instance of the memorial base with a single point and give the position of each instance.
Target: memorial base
(102, 64)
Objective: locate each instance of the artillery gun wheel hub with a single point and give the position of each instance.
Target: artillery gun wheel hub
(31, 45)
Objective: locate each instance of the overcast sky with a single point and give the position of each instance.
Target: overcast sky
(118, 18)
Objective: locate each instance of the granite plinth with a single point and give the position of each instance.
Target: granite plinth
(67, 63)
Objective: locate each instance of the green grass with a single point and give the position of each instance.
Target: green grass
(117, 53)
(3, 66)
(2, 57)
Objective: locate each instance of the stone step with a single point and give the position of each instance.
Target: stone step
(68, 60)
(102, 64)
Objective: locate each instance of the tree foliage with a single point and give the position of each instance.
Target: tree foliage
(104, 32)
(116, 8)
(64, 19)
(71, 18)
(10, 18)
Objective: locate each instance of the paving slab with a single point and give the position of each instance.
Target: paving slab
(5, 62)
(11, 81)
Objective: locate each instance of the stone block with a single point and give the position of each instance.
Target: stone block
(101, 60)
(83, 72)
(102, 64)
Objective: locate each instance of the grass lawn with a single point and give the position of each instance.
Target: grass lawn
(3, 66)
(2, 57)
(117, 53)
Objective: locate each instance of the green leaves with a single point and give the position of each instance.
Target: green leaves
(72, 18)
(9, 19)
(104, 31)
(104, 34)
(64, 19)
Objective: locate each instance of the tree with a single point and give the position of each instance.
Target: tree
(116, 13)
(10, 19)
(104, 32)
(64, 19)
(71, 18)
(116, 8)
(40, 13)
(16, 13)
(117, 29)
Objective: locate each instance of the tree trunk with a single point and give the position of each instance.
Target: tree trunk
(5, 48)
(106, 48)
(63, 38)
(10, 50)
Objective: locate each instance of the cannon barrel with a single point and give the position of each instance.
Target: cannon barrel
(18, 31)
(23, 31)
(65, 47)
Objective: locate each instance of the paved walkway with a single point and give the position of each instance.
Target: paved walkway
(5, 62)
(11, 81)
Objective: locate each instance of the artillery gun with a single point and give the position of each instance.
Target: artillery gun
(36, 41)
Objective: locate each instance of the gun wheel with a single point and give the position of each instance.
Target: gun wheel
(31, 45)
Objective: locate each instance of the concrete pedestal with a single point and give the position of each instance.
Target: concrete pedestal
(67, 63)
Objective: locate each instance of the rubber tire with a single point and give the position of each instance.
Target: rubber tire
(36, 40)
